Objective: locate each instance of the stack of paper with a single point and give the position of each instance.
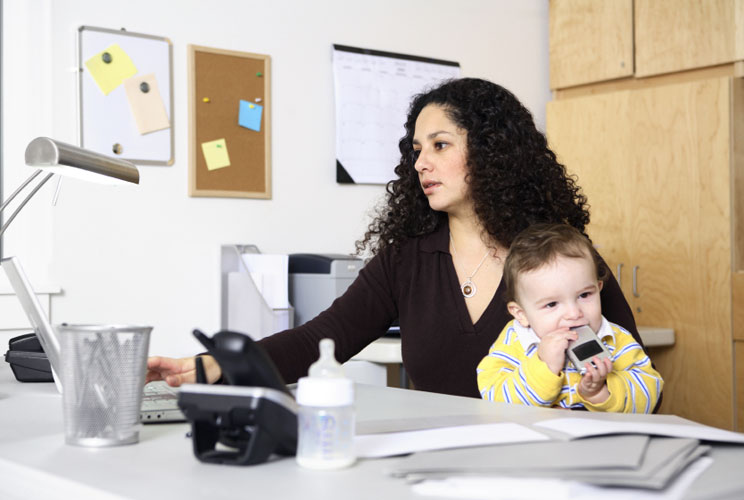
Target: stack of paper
(583, 457)
(627, 460)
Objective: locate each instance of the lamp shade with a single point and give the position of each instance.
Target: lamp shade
(57, 157)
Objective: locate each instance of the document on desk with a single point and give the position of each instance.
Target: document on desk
(400, 443)
(583, 427)
(591, 454)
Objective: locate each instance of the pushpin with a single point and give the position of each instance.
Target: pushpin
(206, 99)
(258, 99)
(106, 57)
(251, 106)
(259, 73)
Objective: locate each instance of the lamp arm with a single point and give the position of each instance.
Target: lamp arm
(26, 200)
(20, 188)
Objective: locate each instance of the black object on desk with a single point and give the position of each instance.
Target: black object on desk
(28, 360)
(254, 414)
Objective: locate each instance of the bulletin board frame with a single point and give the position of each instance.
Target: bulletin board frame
(105, 121)
(219, 80)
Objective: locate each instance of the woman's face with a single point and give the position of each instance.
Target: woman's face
(441, 149)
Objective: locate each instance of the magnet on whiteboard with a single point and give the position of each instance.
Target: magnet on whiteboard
(116, 148)
(107, 57)
(145, 87)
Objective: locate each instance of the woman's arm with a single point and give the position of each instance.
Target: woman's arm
(357, 318)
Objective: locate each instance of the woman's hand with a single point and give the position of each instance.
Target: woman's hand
(592, 386)
(180, 371)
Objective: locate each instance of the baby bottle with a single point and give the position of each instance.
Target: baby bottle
(326, 414)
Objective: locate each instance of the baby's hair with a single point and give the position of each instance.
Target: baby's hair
(541, 244)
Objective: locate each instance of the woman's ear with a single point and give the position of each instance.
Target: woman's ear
(518, 313)
(600, 284)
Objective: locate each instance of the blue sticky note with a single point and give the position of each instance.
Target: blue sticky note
(250, 115)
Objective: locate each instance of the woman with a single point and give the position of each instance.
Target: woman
(474, 172)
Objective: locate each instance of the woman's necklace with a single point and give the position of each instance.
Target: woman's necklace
(468, 288)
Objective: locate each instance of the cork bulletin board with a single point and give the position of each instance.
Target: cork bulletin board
(229, 121)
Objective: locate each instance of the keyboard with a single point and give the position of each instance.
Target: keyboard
(160, 404)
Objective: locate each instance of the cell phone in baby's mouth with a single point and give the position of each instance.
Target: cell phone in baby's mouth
(585, 347)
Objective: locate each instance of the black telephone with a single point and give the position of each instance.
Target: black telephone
(253, 414)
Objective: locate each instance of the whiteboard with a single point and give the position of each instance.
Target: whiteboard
(373, 90)
(107, 123)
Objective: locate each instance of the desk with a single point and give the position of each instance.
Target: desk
(35, 462)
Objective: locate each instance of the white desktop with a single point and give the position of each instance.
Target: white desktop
(36, 463)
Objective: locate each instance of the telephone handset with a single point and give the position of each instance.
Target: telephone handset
(243, 362)
(585, 347)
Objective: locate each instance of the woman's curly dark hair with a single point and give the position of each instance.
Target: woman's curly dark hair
(514, 179)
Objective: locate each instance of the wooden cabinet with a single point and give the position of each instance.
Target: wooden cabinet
(739, 360)
(590, 41)
(658, 167)
(599, 41)
(677, 35)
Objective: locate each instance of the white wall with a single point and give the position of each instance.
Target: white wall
(150, 254)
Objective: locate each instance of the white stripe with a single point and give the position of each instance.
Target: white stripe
(530, 390)
(505, 357)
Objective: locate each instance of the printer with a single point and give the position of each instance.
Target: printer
(315, 280)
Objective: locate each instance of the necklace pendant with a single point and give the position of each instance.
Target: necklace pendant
(468, 289)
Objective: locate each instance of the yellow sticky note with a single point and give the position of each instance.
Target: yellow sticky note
(146, 104)
(215, 153)
(110, 67)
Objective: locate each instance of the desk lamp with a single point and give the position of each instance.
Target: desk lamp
(54, 157)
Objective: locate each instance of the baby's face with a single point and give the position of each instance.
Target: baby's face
(563, 293)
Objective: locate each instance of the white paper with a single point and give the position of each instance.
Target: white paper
(372, 95)
(399, 443)
(583, 427)
(555, 489)
(270, 273)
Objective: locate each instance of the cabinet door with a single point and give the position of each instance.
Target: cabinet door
(590, 41)
(676, 35)
(739, 398)
(682, 240)
(665, 152)
(580, 132)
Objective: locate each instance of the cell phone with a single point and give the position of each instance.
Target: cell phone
(585, 347)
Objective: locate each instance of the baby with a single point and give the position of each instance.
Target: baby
(553, 280)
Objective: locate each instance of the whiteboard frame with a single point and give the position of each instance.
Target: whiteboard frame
(171, 110)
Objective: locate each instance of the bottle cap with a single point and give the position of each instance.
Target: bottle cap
(315, 391)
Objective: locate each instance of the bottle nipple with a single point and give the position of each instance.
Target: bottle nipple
(326, 366)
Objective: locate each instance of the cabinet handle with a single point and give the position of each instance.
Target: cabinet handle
(618, 275)
(635, 281)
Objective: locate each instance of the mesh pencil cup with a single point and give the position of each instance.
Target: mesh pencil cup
(103, 372)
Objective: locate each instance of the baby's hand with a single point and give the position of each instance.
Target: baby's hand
(592, 386)
(552, 348)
